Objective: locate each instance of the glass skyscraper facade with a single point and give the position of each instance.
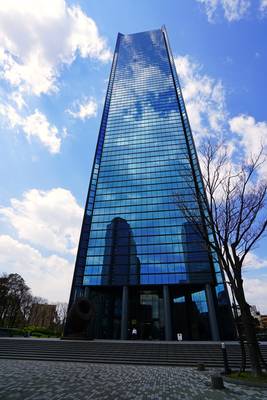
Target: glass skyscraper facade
(139, 261)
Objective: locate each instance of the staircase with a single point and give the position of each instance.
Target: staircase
(122, 352)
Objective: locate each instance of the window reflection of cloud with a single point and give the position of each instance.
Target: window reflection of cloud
(154, 100)
(139, 61)
(130, 165)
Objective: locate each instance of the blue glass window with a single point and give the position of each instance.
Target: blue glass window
(137, 233)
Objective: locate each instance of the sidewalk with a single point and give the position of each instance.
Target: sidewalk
(39, 380)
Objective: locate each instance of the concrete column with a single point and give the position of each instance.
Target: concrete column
(124, 314)
(212, 314)
(167, 313)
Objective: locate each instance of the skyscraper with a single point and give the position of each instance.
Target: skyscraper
(139, 261)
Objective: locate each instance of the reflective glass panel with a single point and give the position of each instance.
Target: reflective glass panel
(137, 233)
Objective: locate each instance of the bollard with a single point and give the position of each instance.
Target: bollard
(227, 369)
(217, 382)
(201, 367)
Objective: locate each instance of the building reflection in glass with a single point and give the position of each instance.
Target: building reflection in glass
(195, 255)
(121, 264)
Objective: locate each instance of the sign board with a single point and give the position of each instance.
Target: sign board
(179, 336)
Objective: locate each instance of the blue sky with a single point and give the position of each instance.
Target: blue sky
(55, 58)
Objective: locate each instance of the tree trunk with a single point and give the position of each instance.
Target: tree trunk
(251, 338)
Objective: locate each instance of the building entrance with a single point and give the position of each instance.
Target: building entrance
(146, 314)
(156, 313)
(190, 315)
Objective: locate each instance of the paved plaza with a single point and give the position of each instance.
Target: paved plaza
(42, 380)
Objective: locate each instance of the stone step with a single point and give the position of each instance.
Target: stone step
(165, 359)
(121, 355)
(119, 361)
(122, 351)
(182, 354)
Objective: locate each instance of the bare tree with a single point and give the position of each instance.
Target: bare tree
(231, 219)
(61, 312)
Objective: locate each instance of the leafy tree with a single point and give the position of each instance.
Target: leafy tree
(15, 297)
(16, 301)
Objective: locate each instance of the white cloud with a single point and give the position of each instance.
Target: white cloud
(251, 133)
(263, 6)
(33, 125)
(64, 132)
(252, 261)
(37, 125)
(233, 10)
(204, 97)
(206, 105)
(256, 292)
(18, 100)
(50, 219)
(38, 37)
(48, 277)
(84, 110)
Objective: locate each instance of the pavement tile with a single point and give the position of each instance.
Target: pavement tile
(42, 380)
